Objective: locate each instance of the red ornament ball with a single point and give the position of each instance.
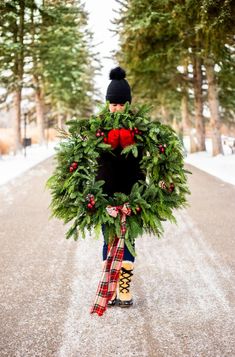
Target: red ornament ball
(89, 206)
(126, 137)
(71, 169)
(138, 209)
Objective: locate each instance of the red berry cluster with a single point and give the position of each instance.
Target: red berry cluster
(163, 186)
(99, 133)
(73, 166)
(136, 131)
(91, 199)
(162, 148)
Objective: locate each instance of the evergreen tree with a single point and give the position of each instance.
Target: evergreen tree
(12, 30)
(65, 57)
(164, 37)
(158, 38)
(217, 23)
(45, 46)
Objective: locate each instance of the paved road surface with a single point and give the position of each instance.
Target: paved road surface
(183, 284)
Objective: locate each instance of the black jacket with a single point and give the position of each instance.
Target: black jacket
(119, 172)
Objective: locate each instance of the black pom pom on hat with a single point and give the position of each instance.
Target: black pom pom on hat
(117, 73)
(118, 91)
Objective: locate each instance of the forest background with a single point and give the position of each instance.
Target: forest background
(179, 57)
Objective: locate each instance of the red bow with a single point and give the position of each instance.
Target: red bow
(122, 137)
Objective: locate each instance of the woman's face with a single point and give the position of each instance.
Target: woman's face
(116, 107)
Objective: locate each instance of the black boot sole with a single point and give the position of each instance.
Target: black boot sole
(125, 304)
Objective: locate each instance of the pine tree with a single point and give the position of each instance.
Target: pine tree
(67, 71)
(217, 22)
(12, 28)
(45, 46)
(158, 38)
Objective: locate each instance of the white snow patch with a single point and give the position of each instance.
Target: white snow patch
(221, 166)
(12, 166)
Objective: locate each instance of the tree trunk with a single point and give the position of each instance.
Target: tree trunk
(18, 70)
(165, 114)
(60, 121)
(39, 101)
(213, 101)
(186, 125)
(175, 125)
(17, 120)
(186, 122)
(198, 103)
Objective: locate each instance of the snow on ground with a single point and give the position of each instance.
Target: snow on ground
(221, 166)
(12, 166)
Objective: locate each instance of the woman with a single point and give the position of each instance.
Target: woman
(120, 173)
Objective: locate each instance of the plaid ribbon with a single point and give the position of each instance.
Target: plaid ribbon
(112, 266)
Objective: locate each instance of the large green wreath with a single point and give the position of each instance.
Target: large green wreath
(78, 197)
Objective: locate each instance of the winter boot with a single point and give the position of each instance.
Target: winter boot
(125, 297)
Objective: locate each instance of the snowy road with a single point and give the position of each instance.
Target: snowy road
(183, 284)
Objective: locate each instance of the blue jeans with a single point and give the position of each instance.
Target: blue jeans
(127, 255)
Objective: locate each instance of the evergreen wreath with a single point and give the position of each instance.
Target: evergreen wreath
(78, 197)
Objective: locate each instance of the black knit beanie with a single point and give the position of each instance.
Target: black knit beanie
(118, 91)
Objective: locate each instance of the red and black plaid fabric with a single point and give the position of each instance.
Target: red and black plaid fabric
(111, 270)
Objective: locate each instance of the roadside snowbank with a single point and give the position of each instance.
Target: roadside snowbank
(12, 166)
(221, 166)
